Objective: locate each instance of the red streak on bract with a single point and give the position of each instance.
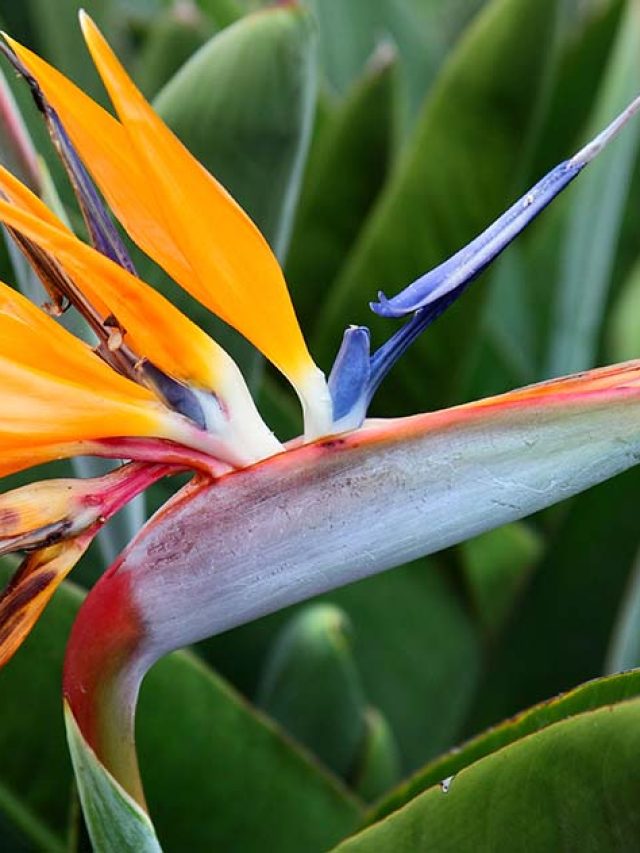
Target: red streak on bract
(103, 638)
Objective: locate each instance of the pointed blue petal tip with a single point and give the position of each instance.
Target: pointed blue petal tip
(452, 276)
(349, 378)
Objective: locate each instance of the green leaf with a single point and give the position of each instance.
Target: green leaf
(116, 823)
(559, 633)
(346, 170)
(423, 30)
(311, 686)
(348, 34)
(456, 175)
(243, 104)
(623, 332)
(172, 37)
(415, 648)
(32, 732)
(496, 565)
(217, 774)
(222, 12)
(624, 651)
(378, 765)
(597, 206)
(573, 786)
(595, 694)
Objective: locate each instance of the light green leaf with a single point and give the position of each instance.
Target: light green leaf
(559, 633)
(573, 786)
(496, 565)
(217, 773)
(597, 206)
(311, 686)
(423, 30)
(116, 823)
(624, 651)
(379, 761)
(600, 693)
(623, 333)
(171, 38)
(346, 170)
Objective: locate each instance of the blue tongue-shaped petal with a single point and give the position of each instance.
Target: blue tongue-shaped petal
(448, 280)
(356, 375)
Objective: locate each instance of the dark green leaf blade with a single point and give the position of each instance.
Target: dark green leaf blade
(587, 697)
(573, 786)
(217, 773)
(346, 170)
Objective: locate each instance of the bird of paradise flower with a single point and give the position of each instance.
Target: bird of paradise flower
(261, 525)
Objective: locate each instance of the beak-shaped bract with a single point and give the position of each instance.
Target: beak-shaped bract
(182, 217)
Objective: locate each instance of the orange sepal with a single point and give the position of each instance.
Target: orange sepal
(31, 588)
(178, 213)
(55, 392)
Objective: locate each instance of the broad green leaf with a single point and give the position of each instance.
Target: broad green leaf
(496, 565)
(423, 30)
(595, 694)
(417, 652)
(623, 332)
(217, 773)
(624, 651)
(347, 37)
(559, 633)
(585, 42)
(378, 766)
(171, 38)
(311, 686)
(597, 206)
(116, 823)
(420, 682)
(456, 175)
(243, 104)
(222, 12)
(573, 786)
(346, 170)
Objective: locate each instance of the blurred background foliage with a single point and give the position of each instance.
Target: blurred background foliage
(369, 140)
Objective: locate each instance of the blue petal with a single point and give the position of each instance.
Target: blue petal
(452, 276)
(349, 379)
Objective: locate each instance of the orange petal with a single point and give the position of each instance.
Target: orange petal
(104, 146)
(229, 267)
(31, 589)
(155, 329)
(54, 391)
